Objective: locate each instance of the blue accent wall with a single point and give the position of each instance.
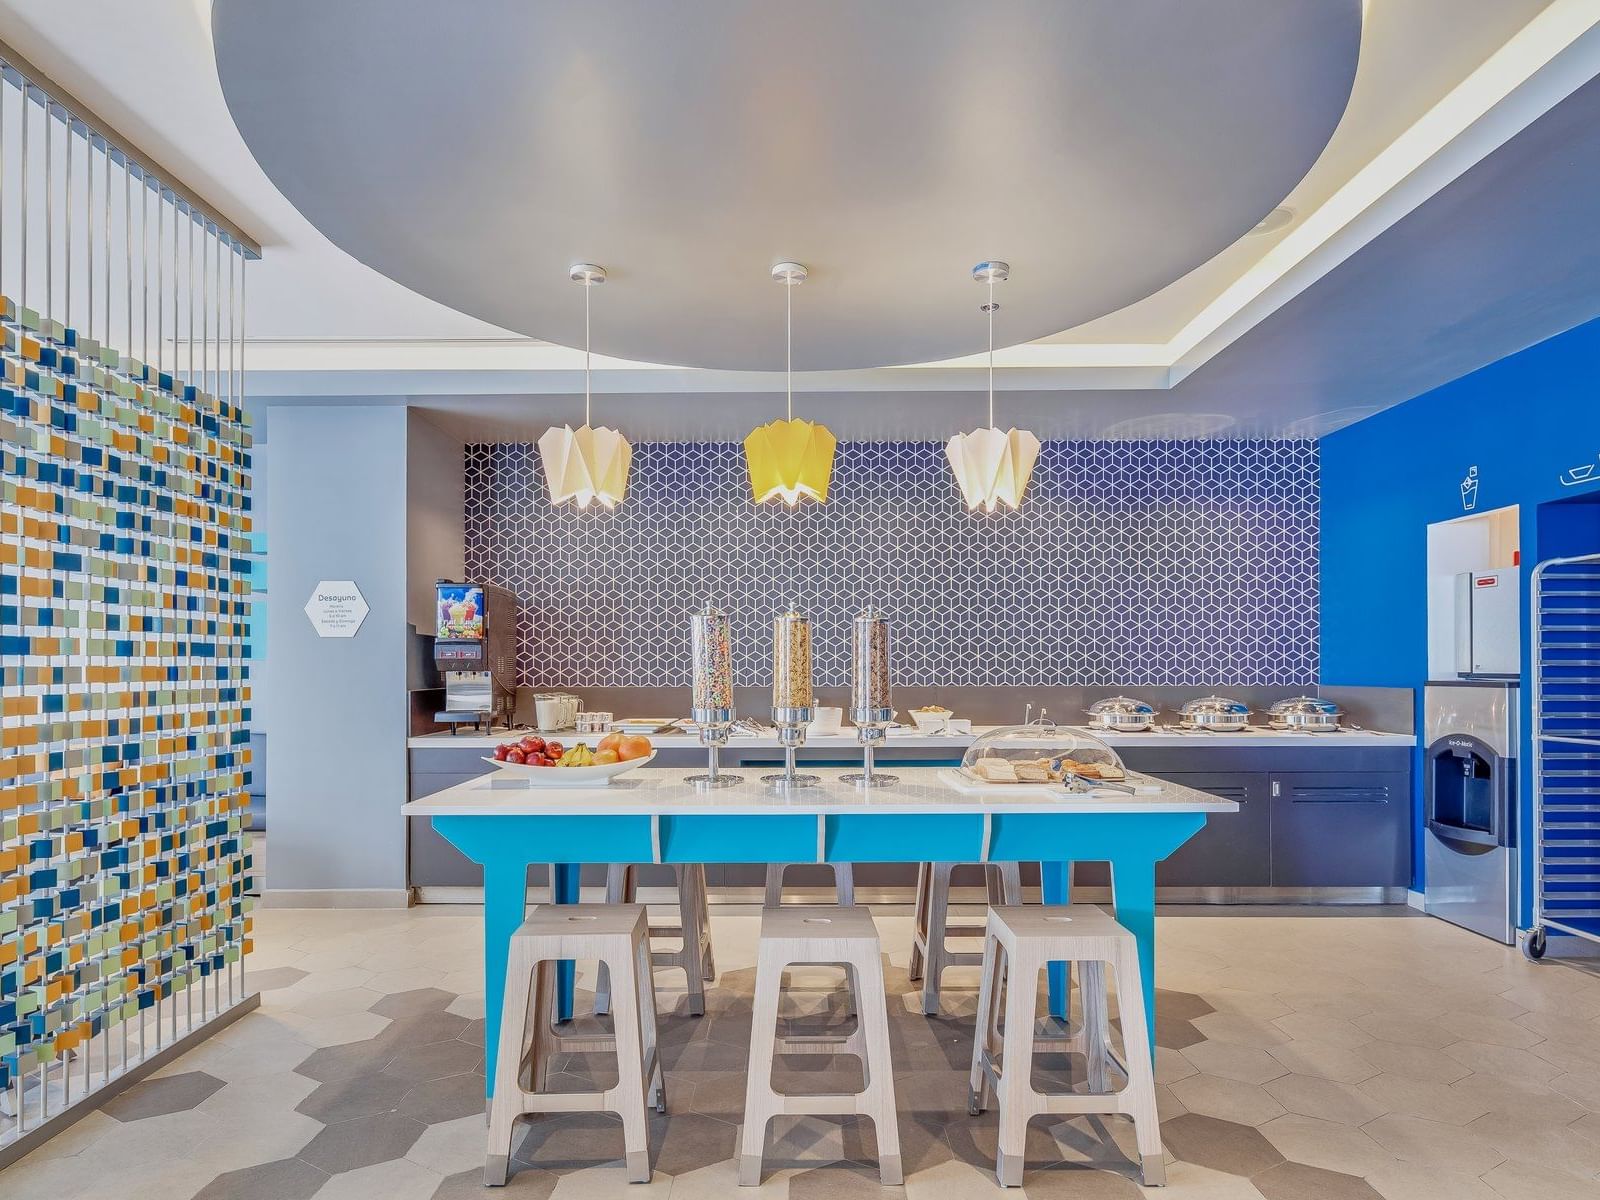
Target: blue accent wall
(1526, 422)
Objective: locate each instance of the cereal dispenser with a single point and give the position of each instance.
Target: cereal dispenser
(870, 706)
(711, 688)
(792, 704)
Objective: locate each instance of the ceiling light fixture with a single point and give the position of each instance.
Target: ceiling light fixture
(790, 460)
(586, 465)
(992, 467)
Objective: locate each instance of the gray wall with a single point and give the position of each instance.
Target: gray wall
(435, 515)
(336, 708)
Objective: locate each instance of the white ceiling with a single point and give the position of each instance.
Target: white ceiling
(1256, 340)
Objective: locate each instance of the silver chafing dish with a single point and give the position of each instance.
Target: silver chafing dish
(1307, 714)
(1216, 713)
(1121, 714)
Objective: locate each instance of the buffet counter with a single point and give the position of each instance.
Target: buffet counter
(1321, 816)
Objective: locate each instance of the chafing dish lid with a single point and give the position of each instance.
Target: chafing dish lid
(1306, 706)
(1122, 706)
(1216, 706)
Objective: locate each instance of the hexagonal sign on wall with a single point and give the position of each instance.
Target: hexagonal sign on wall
(336, 608)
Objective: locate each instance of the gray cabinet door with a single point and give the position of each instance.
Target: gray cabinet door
(1341, 829)
(1234, 849)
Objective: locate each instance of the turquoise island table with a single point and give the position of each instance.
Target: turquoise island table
(653, 816)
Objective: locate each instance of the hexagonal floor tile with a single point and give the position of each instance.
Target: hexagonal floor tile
(1220, 1145)
(161, 1095)
(286, 1179)
(362, 1142)
(413, 1003)
(273, 978)
(445, 1099)
(1296, 1181)
(357, 1096)
(525, 1183)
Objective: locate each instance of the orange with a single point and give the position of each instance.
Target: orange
(604, 758)
(631, 746)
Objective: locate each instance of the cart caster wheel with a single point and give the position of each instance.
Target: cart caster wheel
(1533, 946)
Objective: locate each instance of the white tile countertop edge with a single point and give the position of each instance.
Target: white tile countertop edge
(910, 739)
(660, 792)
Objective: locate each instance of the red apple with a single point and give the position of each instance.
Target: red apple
(515, 756)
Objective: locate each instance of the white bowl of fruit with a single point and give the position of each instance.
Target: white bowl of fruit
(545, 762)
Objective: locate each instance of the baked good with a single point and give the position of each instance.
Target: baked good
(995, 770)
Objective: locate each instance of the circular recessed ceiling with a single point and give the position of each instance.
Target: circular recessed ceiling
(474, 150)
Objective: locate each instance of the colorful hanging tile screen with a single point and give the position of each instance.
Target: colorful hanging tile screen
(124, 691)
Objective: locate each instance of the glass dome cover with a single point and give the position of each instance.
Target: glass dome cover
(1040, 754)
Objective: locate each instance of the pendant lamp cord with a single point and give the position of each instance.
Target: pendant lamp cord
(588, 286)
(989, 308)
(788, 362)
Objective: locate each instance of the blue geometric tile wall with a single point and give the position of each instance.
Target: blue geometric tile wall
(1129, 563)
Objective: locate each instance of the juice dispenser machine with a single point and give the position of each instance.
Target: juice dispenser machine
(475, 649)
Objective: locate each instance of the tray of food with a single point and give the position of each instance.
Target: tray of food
(1043, 759)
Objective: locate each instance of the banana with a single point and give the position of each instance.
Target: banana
(578, 756)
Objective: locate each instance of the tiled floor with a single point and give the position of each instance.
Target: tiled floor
(1300, 1059)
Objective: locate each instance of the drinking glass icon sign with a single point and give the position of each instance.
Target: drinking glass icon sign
(1469, 490)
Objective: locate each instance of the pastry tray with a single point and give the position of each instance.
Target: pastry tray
(968, 785)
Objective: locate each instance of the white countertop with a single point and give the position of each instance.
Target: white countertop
(660, 792)
(910, 739)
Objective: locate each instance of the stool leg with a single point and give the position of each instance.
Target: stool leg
(1096, 1021)
(1016, 1088)
(844, 880)
(645, 978)
(979, 1093)
(774, 885)
(693, 937)
(1010, 883)
(542, 1040)
(1141, 1085)
(631, 1082)
(506, 1104)
(919, 921)
(760, 1104)
(877, 1098)
(617, 876)
(938, 917)
(708, 962)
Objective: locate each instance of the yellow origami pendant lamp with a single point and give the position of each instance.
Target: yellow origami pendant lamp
(992, 467)
(790, 460)
(586, 465)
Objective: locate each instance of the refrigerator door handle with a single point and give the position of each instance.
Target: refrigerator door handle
(1464, 623)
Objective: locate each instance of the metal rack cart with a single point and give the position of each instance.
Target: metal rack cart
(1566, 750)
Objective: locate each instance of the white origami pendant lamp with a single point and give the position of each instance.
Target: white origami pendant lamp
(991, 467)
(790, 460)
(586, 465)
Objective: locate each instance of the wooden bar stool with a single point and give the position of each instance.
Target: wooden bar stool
(693, 931)
(826, 935)
(844, 881)
(618, 936)
(930, 954)
(1019, 943)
